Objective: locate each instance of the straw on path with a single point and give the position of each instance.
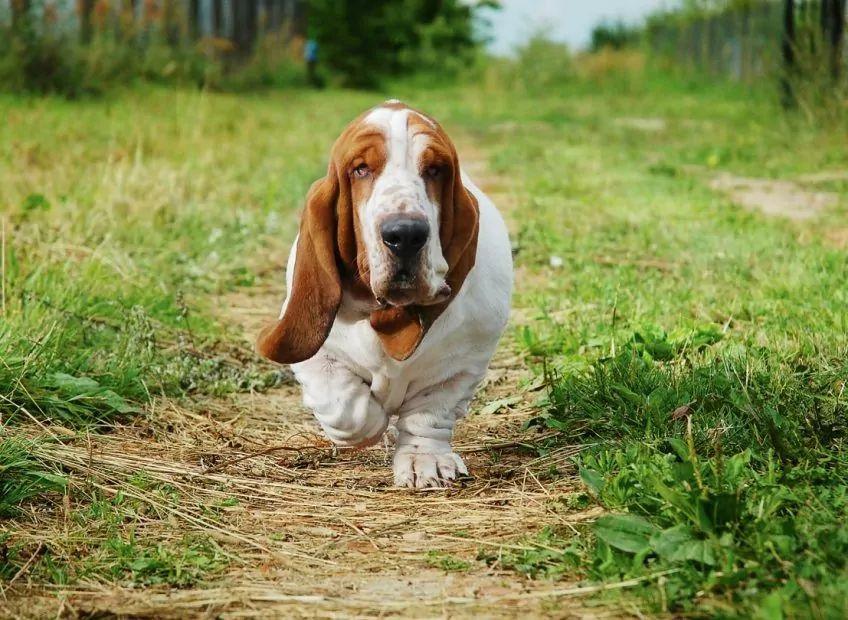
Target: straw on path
(315, 531)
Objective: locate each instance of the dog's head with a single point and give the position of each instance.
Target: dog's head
(391, 229)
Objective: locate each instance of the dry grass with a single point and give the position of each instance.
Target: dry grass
(310, 530)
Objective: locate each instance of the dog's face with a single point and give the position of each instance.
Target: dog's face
(391, 226)
(397, 182)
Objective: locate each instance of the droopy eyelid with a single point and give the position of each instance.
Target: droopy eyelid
(361, 171)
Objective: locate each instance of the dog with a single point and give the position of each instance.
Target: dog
(398, 290)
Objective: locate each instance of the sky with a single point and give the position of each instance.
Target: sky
(566, 20)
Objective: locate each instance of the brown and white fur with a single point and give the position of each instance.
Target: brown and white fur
(399, 286)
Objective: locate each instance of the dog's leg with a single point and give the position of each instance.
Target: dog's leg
(424, 457)
(341, 401)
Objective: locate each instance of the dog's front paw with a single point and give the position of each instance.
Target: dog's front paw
(427, 471)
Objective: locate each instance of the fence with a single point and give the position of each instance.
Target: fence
(749, 40)
(241, 22)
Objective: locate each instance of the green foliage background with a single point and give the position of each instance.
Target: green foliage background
(365, 41)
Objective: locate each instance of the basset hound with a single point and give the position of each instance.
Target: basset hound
(398, 289)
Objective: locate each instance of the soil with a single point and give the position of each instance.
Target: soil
(779, 198)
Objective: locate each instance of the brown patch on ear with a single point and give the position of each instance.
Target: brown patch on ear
(316, 286)
(330, 254)
(401, 330)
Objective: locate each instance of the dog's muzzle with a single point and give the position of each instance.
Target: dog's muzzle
(405, 236)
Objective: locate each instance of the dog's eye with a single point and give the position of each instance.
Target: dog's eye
(361, 171)
(433, 172)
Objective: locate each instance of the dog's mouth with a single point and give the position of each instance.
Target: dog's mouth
(406, 290)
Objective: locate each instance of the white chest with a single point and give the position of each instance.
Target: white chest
(389, 391)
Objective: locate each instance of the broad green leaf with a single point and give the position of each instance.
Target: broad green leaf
(700, 551)
(627, 394)
(666, 542)
(35, 202)
(734, 466)
(680, 448)
(679, 544)
(673, 496)
(497, 405)
(87, 391)
(72, 385)
(117, 403)
(592, 479)
(629, 533)
(771, 608)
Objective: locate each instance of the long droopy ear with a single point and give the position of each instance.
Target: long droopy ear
(401, 330)
(316, 290)
(458, 230)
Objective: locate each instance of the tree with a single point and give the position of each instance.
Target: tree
(366, 40)
(194, 19)
(613, 35)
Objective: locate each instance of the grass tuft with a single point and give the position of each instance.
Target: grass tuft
(22, 477)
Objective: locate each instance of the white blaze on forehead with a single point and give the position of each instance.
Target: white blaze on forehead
(398, 138)
(394, 124)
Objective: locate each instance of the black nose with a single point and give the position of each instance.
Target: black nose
(405, 236)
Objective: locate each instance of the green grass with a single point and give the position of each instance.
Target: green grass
(108, 539)
(22, 476)
(124, 218)
(734, 475)
(696, 350)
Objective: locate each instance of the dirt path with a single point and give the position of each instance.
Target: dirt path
(317, 532)
(775, 197)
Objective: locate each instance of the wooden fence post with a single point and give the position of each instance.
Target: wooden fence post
(788, 53)
(86, 7)
(276, 16)
(217, 18)
(745, 44)
(244, 31)
(193, 19)
(833, 31)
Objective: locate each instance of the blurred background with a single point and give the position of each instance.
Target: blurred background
(82, 47)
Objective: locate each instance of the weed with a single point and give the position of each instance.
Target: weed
(739, 530)
(729, 472)
(546, 556)
(446, 562)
